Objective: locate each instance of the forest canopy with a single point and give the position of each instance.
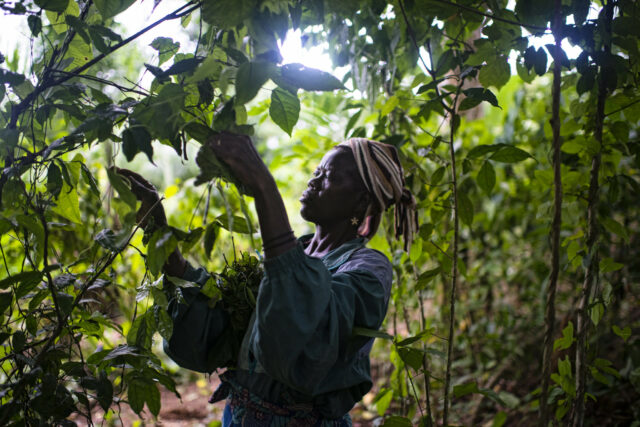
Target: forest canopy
(517, 126)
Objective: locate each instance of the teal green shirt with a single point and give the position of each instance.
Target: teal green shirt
(300, 345)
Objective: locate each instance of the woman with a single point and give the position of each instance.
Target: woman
(299, 363)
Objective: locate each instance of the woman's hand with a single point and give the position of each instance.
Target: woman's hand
(151, 211)
(242, 159)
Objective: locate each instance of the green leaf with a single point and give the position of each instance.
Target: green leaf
(311, 79)
(68, 204)
(224, 15)
(625, 333)
(566, 340)
(476, 95)
(54, 179)
(284, 109)
(53, 5)
(136, 139)
(166, 48)
(141, 331)
(372, 333)
(199, 132)
(596, 312)
(110, 8)
(238, 223)
(35, 25)
(5, 301)
(122, 188)
(608, 265)
(464, 389)
(427, 277)
(105, 391)
(509, 154)
(136, 394)
(397, 421)
(437, 176)
(481, 150)
(383, 400)
(164, 321)
(249, 79)
(613, 226)
(161, 244)
(465, 209)
(486, 177)
(496, 73)
(210, 236)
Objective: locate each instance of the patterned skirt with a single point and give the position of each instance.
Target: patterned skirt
(248, 410)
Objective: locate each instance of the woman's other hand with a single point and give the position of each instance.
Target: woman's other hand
(242, 159)
(151, 210)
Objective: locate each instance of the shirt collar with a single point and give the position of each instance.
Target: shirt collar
(334, 259)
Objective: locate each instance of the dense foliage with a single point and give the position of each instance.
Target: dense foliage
(518, 302)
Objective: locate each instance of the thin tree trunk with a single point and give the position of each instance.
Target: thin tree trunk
(591, 275)
(425, 364)
(550, 314)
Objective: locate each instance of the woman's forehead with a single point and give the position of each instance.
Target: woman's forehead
(337, 158)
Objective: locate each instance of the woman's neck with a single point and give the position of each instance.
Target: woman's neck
(326, 239)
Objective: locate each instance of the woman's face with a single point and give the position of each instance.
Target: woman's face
(336, 191)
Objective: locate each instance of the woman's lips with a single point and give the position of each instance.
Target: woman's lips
(307, 195)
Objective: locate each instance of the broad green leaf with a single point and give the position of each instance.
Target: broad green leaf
(251, 76)
(136, 139)
(53, 5)
(608, 265)
(480, 94)
(161, 244)
(427, 276)
(164, 322)
(496, 73)
(486, 177)
(481, 150)
(210, 236)
(35, 25)
(389, 105)
(238, 223)
(622, 333)
(166, 48)
(54, 179)
(68, 205)
(122, 188)
(301, 77)
(136, 394)
(5, 301)
(596, 312)
(372, 333)
(110, 8)
(437, 176)
(509, 154)
(224, 16)
(613, 226)
(383, 400)
(80, 52)
(141, 331)
(464, 389)
(199, 132)
(566, 340)
(104, 391)
(32, 277)
(465, 209)
(284, 109)
(397, 421)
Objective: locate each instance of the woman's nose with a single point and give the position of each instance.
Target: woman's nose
(313, 182)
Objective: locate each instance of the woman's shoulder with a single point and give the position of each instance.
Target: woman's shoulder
(370, 260)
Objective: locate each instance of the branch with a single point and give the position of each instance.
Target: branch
(591, 275)
(490, 16)
(550, 316)
(19, 109)
(104, 82)
(454, 266)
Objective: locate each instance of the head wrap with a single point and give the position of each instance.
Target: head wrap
(382, 174)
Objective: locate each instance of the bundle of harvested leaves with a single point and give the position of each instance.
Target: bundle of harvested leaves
(235, 290)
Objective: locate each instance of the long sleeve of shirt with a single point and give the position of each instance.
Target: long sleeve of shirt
(200, 332)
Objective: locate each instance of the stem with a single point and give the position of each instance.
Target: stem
(557, 219)
(454, 267)
(425, 363)
(591, 276)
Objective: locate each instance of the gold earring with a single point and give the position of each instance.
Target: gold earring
(354, 221)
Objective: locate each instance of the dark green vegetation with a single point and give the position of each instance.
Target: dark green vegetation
(519, 301)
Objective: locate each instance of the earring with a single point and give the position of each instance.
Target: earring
(354, 221)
